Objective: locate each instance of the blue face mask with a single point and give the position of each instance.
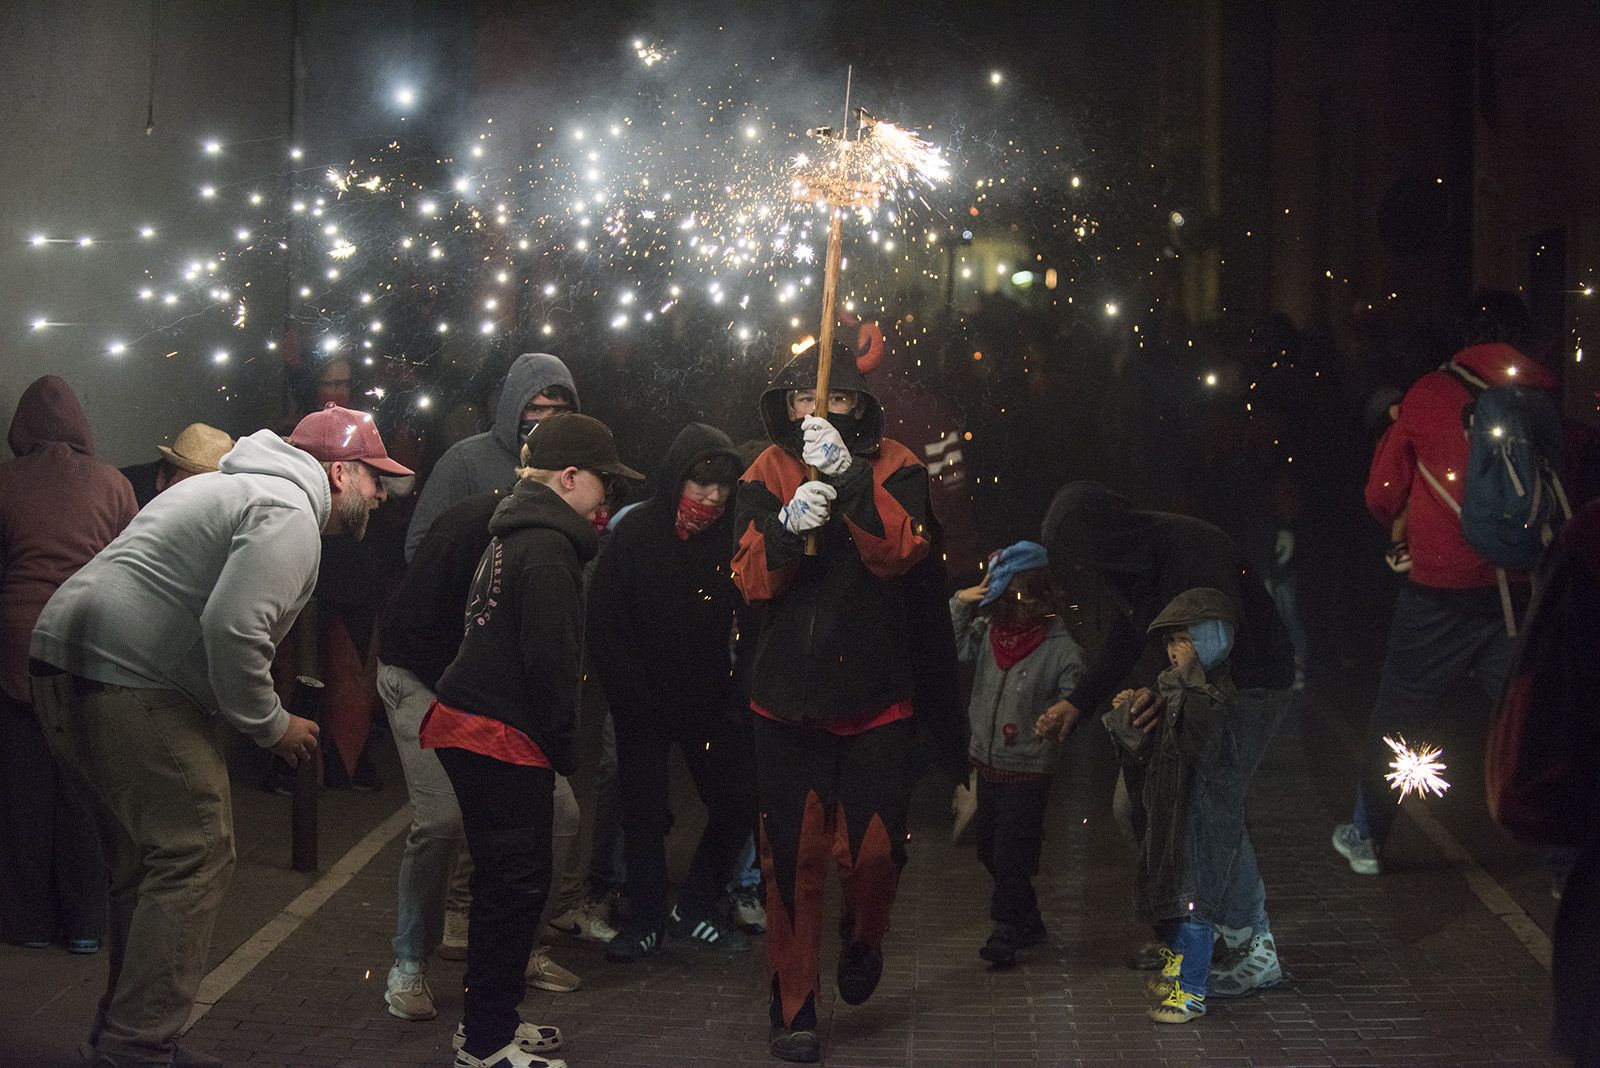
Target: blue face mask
(1213, 641)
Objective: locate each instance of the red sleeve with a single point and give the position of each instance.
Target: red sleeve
(889, 524)
(1394, 464)
(764, 563)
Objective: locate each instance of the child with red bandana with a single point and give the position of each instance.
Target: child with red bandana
(1026, 665)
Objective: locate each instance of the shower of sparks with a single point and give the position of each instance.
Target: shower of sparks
(1415, 769)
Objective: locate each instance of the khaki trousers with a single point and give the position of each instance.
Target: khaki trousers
(157, 789)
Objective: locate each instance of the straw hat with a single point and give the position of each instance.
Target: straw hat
(198, 449)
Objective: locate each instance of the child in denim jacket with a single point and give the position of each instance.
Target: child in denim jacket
(1026, 664)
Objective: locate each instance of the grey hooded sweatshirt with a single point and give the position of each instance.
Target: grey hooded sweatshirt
(487, 461)
(198, 591)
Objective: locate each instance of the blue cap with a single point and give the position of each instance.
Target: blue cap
(1009, 562)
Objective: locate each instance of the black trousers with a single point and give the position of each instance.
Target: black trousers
(506, 812)
(822, 796)
(1010, 827)
(52, 878)
(718, 752)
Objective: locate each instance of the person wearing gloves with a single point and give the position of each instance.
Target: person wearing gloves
(1201, 754)
(661, 610)
(831, 682)
(504, 722)
(1026, 663)
(177, 617)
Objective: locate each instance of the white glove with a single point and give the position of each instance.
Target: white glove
(823, 448)
(809, 508)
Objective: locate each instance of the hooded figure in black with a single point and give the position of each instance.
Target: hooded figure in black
(1124, 565)
(846, 637)
(660, 620)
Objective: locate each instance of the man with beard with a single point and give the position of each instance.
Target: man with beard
(176, 618)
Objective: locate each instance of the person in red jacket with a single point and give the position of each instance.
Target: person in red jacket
(831, 683)
(59, 506)
(1448, 618)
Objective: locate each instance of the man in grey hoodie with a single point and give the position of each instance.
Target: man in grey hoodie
(178, 617)
(537, 386)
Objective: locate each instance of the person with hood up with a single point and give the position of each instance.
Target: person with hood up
(1125, 565)
(831, 682)
(661, 612)
(505, 719)
(1202, 752)
(179, 616)
(59, 505)
(537, 386)
(1449, 620)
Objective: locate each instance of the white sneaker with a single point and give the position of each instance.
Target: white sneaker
(546, 974)
(454, 946)
(507, 1056)
(532, 1038)
(747, 913)
(588, 921)
(408, 996)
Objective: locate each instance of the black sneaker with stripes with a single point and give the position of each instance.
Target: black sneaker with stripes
(707, 931)
(633, 943)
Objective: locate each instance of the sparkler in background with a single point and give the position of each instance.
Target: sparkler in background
(678, 200)
(1415, 769)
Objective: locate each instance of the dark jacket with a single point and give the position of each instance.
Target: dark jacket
(1208, 745)
(521, 656)
(835, 643)
(1127, 564)
(422, 630)
(487, 461)
(661, 608)
(59, 506)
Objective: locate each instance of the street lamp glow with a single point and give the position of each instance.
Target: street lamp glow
(405, 96)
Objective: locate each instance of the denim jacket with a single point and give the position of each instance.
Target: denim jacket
(1210, 741)
(1005, 704)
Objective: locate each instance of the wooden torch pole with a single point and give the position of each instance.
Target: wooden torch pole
(830, 288)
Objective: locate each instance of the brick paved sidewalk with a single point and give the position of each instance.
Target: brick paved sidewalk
(1409, 968)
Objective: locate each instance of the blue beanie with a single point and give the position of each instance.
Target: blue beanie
(1213, 641)
(1009, 562)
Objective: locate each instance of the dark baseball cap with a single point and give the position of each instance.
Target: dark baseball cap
(572, 439)
(336, 434)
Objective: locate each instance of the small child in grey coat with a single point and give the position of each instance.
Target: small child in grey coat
(1026, 663)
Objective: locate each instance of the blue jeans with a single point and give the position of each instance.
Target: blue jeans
(1193, 939)
(1244, 909)
(1432, 644)
(747, 869)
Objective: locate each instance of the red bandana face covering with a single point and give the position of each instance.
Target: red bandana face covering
(1012, 644)
(694, 517)
(601, 520)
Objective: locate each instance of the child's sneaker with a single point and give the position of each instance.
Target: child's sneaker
(1362, 853)
(1254, 967)
(1179, 1006)
(746, 910)
(531, 1038)
(1006, 940)
(507, 1056)
(1160, 985)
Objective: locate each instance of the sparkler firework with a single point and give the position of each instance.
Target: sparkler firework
(1416, 769)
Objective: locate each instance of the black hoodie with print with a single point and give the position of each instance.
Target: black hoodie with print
(521, 656)
(661, 607)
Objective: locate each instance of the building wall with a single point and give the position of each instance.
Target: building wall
(76, 78)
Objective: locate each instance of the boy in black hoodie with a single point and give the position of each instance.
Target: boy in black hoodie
(661, 610)
(831, 682)
(506, 714)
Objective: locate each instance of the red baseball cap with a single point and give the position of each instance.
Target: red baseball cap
(336, 433)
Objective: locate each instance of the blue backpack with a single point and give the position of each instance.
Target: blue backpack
(1512, 501)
